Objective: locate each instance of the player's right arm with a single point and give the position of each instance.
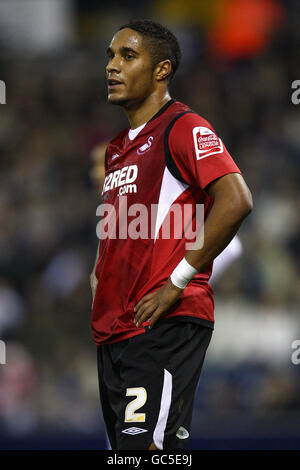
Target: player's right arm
(97, 175)
(93, 278)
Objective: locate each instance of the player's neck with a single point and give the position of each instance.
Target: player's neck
(145, 111)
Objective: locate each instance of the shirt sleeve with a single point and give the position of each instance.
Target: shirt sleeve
(196, 152)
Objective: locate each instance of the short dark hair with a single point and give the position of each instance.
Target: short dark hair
(163, 44)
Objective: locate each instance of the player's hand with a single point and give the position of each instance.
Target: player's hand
(155, 304)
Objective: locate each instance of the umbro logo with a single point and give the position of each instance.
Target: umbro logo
(182, 433)
(115, 155)
(144, 148)
(133, 431)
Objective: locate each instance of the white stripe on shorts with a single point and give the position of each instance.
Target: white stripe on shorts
(159, 431)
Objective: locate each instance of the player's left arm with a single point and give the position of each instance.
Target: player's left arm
(232, 203)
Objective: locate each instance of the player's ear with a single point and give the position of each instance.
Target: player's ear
(163, 69)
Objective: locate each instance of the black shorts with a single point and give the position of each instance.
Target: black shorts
(147, 385)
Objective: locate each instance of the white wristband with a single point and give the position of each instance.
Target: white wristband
(182, 274)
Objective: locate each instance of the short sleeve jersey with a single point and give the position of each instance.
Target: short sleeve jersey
(153, 194)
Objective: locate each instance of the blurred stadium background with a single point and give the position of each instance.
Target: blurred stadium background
(240, 58)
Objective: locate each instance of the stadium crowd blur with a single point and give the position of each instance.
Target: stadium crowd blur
(55, 118)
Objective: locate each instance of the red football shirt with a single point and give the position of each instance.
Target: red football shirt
(159, 173)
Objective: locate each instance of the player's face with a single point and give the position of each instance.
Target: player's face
(129, 70)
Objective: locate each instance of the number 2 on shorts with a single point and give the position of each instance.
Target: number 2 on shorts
(141, 397)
